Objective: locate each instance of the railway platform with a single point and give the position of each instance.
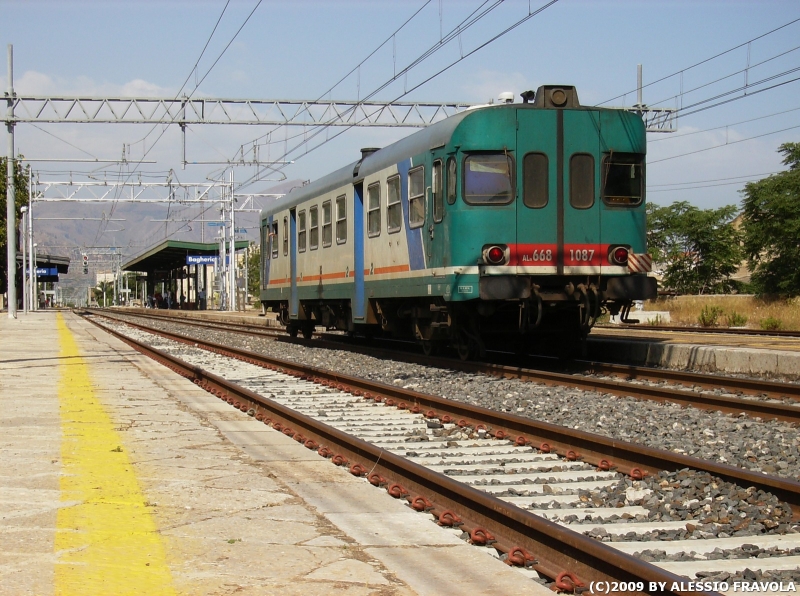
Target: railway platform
(774, 357)
(120, 477)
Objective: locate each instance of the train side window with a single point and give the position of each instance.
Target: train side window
(274, 240)
(452, 180)
(623, 178)
(394, 210)
(285, 236)
(313, 225)
(301, 231)
(416, 197)
(266, 239)
(581, 181)
(326, 224)
(488, 179)
(341, 219)
(438, 193)
(535, 180)
(374, 210)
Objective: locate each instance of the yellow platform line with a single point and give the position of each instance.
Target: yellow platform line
(106, 540)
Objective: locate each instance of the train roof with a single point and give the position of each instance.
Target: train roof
(434, 135)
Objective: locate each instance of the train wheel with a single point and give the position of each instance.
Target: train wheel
(292, 330)
(427, 347)
(308, 331)
(462, 348)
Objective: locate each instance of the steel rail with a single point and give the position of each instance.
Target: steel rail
(606, 453)
(730, 405)
(564, 555)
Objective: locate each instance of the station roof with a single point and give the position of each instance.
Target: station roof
(51, 261)
(171, 254)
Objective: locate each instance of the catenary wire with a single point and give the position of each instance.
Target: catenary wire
(463, 57)
(696, 64)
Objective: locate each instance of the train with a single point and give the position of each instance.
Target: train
(514, 224)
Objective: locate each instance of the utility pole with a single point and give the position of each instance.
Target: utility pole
(31, 259)
(24, 258)
(234, 290)
(11, 215)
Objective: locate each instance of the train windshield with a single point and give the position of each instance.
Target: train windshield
(488, 179)
(623, 178)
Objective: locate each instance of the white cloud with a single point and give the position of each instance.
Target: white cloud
(239, 76)
(36, 83)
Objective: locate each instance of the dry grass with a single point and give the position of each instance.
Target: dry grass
(685, 310)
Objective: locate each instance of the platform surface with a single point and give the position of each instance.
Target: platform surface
(117, 476)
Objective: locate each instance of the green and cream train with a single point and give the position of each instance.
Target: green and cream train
(510, 222)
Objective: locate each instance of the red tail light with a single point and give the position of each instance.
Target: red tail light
(618, 255)
(495, 255)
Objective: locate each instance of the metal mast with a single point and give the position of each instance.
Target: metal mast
(11, 219)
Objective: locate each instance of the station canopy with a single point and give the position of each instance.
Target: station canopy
(171, 254)
(48, 267)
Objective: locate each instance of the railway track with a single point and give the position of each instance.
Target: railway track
(584, 483)
(769, 403)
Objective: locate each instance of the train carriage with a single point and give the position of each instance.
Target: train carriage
(510, 222)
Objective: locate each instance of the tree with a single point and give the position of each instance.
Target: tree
(254, 271)
(771, 221)
(699, 248)
(104, 289)
(21, 198)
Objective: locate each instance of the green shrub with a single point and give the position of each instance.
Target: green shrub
(771, 324)
(709, 316)
(736, 320)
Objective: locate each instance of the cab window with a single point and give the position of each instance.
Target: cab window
(535, 183)
(488, 179)
(623, 178)
(581, 181)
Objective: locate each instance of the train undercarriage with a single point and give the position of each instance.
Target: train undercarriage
(544, 318)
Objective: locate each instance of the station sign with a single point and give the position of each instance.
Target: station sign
(202, 259)
(216, 224)
(46, 272)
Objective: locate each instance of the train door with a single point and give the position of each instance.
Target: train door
(358, 303)
(538, 197)
(434, 214)
(294, 298)
(582, 252)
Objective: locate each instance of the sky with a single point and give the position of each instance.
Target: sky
(301, 49)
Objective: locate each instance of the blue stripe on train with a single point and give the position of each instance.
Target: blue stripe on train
(416, 257)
